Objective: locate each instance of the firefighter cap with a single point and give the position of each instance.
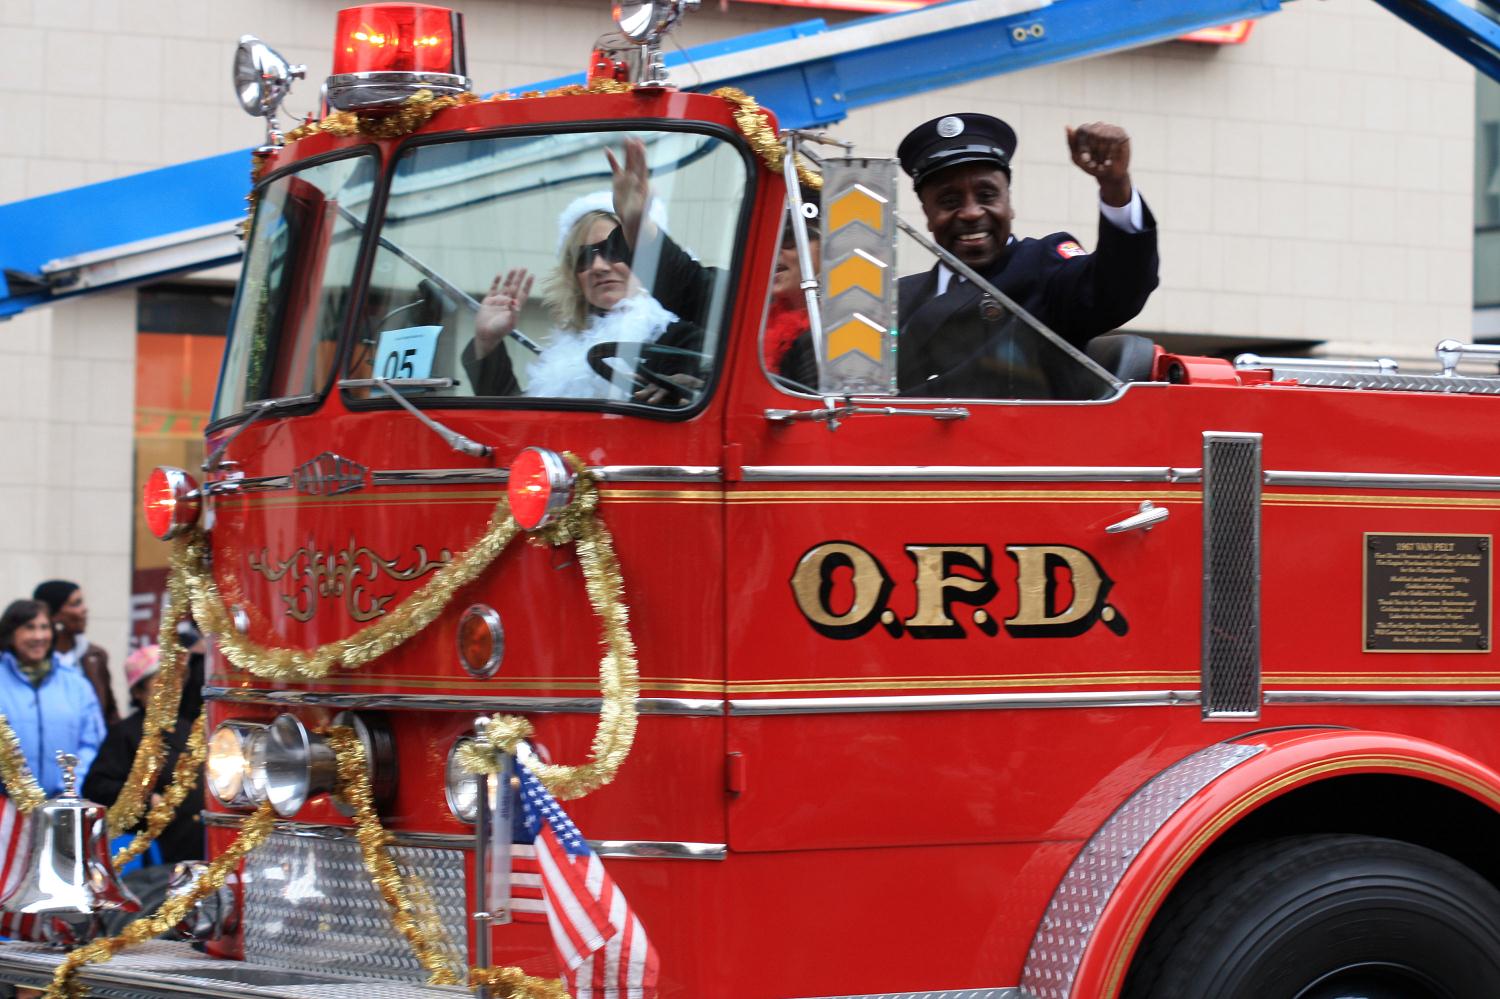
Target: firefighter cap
(953, 139)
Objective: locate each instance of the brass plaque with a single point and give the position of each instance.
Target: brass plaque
(1427, 593)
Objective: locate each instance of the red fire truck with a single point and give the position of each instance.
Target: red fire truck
(1180, 684)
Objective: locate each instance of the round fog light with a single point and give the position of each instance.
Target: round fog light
(227, 766)
(461, 787)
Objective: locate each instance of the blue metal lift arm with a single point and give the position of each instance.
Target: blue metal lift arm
(1461, 30)
(884, 58)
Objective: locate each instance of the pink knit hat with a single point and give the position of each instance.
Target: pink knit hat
(142, 663)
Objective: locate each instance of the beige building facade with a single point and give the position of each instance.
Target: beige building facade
(1313, 185)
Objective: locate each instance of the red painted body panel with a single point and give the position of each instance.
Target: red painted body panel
(870, 852)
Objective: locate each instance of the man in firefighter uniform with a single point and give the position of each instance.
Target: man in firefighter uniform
(955, 340)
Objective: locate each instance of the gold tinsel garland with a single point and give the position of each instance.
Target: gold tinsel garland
(161, 710)
(184, 778)
(176, 908)
(752, 123)
(20, 785)
(414, 920)
(376, 639)
(513, 983)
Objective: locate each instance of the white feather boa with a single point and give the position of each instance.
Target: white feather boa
(561, 370)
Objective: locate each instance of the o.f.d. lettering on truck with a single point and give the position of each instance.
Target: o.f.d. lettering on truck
(1060, 591)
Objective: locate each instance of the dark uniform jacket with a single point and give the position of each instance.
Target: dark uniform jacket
(960, 344)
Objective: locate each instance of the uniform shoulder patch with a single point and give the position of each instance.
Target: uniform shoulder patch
(1069, 249)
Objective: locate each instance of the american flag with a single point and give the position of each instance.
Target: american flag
(600, 941)
(15, 843)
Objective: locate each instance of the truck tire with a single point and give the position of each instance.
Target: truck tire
(1325, 917)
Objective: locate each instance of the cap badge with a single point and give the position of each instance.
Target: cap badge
(950, 126)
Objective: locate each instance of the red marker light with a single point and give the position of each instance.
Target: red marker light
(398, 37)
(539, 487)
(171, 501)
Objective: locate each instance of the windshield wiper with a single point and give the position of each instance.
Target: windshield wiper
(463, 297)
(454, 439)
(256, 410)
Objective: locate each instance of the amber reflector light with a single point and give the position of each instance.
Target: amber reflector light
(480, 641)
(394, 37)
(171, 501)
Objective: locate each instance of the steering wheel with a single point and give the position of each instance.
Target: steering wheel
(642, 377)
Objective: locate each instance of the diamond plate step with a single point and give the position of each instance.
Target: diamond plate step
(164, 968)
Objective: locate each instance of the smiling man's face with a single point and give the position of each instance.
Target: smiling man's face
(968, 212)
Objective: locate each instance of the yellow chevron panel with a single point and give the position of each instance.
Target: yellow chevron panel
(853, 335)
(858, 204)
(857, 271)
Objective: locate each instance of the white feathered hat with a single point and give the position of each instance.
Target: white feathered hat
(600, 201)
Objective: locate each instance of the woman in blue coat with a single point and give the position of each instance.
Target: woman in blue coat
(51, 707)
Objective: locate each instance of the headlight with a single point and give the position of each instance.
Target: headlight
(289, 765)
(228, 762)
(461, 787)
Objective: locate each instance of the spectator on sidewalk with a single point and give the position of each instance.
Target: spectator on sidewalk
(182, 839)
(70, 618)
(50, 705)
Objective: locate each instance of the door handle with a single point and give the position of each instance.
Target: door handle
(1144, 519)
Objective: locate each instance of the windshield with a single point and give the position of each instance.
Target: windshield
(589, 267)
(298, 272)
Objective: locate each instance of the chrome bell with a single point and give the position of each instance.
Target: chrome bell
(69, 878)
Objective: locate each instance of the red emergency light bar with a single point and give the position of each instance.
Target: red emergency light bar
(398, 38)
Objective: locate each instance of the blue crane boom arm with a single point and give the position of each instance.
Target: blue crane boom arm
(1466, 32)
(811, 74)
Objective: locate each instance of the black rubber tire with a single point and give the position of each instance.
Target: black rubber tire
(1274, 919)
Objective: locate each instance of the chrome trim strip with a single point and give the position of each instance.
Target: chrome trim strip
(458, 702)
(639, 849)
(659, 473)
(643, 849)
(1415, 698)
(440, 476)
(315, 830)
(1067, 928)
(959, 702)
(258, 484)
(481, 477)
(1004, 992)
(971, 473)
(1380, 480)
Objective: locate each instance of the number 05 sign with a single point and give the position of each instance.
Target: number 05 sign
(406, 353)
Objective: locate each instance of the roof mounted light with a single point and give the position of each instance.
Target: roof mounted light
(646, 22)
(385, 52)
(262, 79)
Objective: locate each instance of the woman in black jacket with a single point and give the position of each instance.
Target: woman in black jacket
(182, 839)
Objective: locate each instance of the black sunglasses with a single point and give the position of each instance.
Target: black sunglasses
(613, 248)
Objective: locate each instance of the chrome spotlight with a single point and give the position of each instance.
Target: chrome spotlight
(289, 765)
(646, 23)
(262, 79)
